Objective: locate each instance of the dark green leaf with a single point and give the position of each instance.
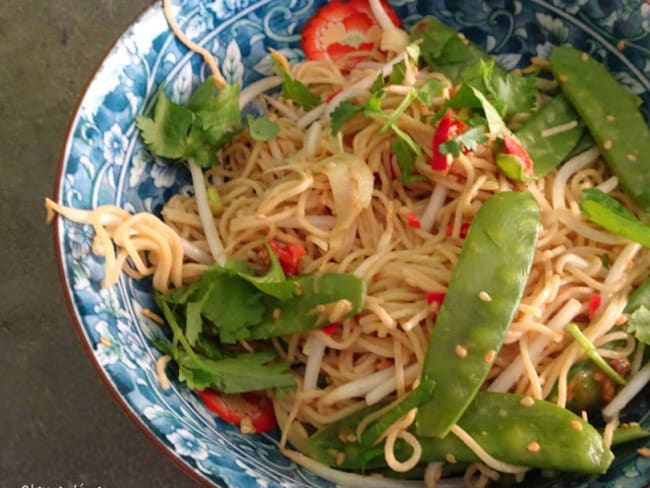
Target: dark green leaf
(639, 324)
(242, 373)
(607, 212)
(166, 133)
(342, 113)
(406, 160)
(295, 90)
(261, 128)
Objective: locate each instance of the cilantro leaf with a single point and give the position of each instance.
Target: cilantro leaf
(239, 374)
(194, 131)
(639, 324)
(406, 157)
(166, 133)
(431, 89)
(398, 73)
(261, 129)
(342, 113)
(295, 90)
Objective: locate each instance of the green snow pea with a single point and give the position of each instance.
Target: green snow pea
(485, 289)
(510, 428)
(548, 152)
(612, 117)
(628, 433)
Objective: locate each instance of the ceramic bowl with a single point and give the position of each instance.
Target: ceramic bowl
(105, 163)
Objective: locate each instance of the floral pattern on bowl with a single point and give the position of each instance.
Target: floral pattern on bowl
(105, 163)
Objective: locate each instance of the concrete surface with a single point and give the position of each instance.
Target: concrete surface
(58, 425)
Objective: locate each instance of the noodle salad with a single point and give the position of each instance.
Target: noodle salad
(412, 262)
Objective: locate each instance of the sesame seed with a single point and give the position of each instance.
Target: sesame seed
(489, 356)
(461, 351)
(246, 426)
(631, 157)
(576, 425)
(451, 459)
(276, 313)
(621, 319)
(584, 416)
(563, 78)
(584, 57)
(340, 458)
(485, 296)
(106, 341)
(527, 401)
(610, 118)
(644, 451)
(534, 447)
(620, 45)
(607, 144)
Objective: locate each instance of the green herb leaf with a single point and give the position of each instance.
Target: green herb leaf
(295, 90)
(431, 89)
(261, 129)
(166, 133)
(406, 157)
(343, 112)
(468, 140)
(639, 324)
(195, 131)
(398, 73)
(242, 373)
(607, 212)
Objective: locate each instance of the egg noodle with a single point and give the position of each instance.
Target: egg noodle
(341, 197)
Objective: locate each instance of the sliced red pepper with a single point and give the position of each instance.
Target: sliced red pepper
(340, 28)
(594, 304)
(333, 94)
(289, 255)
(446, 129)
(464, 227)
(519, 166)
(330, 328)
(435, 297)
(252, 407)
(413, 220)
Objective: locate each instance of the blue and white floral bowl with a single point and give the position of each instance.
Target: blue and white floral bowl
(105, 163)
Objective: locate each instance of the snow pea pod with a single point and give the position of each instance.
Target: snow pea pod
(509, 427)
(612, 117)
(485, 289)
(549, 151)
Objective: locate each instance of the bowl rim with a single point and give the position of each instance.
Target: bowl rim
(65, 289)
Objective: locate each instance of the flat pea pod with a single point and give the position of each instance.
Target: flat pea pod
(547, 152)
(510, 428)
(485, 289)
(612, 117)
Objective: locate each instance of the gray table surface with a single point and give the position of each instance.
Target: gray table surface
(59, 427)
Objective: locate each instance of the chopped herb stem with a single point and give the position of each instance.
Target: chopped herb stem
(592, 353)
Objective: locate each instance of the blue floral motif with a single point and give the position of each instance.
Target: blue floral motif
(105, 163)
(186, 444)
(114, 145)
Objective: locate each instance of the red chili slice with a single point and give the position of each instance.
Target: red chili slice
(413, 220)
(435, 297)
(446, 129)
(513, 146)
(235, 408)
(464, 227)
(289, 255)
(330, 328)
(594, 304)
(340, 28)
